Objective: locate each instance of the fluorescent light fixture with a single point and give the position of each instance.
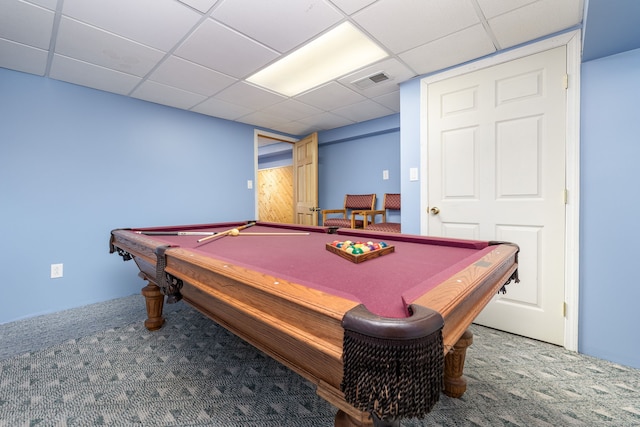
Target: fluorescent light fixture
(334, 54)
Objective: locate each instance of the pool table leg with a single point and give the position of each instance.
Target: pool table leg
(454, 383)
(155, 302)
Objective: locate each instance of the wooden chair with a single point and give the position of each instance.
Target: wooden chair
(353, 205)
(391, 202)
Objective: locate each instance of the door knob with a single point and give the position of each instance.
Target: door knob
(435, 210)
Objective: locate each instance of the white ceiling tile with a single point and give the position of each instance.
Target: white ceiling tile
(201, 5)
(326, 121)
(20, 57)
(535, 20)
(145, 21)
(49, 4)
(260, 118)
(402, 25)
(25, 23)
(224, 110)
(470, 44)
(351, 6)
(191, 77)
(85, 74)
(250, 96)
(167, 95)
(279, 24)
(292, 110)
(330, 96)
(296, 128)
(491, 8)
(390, 100)
(93, 45)
(224, 50)
(364, 110)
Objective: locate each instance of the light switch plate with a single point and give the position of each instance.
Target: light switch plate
(56, 271)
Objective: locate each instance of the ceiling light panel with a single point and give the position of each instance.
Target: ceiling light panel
(336, 53)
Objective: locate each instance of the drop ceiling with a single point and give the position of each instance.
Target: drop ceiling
(196, 54)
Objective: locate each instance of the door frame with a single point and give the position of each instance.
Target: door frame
(572, 41)
(257, 133)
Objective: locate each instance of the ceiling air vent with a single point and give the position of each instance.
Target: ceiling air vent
(371, 80)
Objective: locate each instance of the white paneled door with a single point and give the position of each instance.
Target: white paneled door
(496, 171)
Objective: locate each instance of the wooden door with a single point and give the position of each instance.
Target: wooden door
(305, 180)
(496, 171)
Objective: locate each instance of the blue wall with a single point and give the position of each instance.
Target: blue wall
(76, 163)
(410, 154)
(352, 158)
(610, 208)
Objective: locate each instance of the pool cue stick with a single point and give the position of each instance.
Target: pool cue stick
(177, 233)
(224, 233)
(273, 234)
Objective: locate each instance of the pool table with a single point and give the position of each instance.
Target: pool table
(381, 339)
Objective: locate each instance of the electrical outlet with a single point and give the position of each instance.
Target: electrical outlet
(56, 271)
(385, 174)
(249, 184)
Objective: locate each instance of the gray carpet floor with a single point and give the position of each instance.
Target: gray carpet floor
(98, 365)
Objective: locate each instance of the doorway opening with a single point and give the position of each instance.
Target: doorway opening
(274, 177)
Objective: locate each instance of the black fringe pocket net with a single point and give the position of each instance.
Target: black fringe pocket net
(394, 378)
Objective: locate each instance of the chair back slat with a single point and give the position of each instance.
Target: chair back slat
(392, 201)
(360, 201)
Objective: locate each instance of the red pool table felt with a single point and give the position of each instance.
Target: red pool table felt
(386, 285)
